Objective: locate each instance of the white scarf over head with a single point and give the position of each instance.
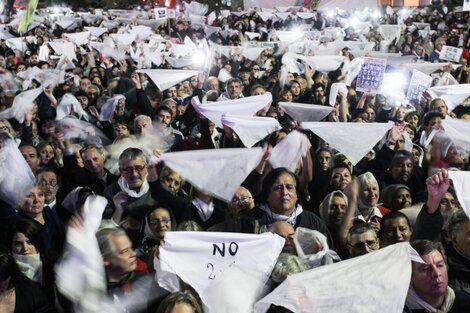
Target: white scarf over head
(354, 140)
(333, 288)
(221, 267)
(250, 129)
(219, 172)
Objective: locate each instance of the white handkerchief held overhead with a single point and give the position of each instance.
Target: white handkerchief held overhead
(354, 140)
(245, 106)
(384, 277)
(461, 182)
(288, 151)
(225, 269)
(164, 79)
(21, 104)
(302, 112)
(458, 132)
(219, 171)
(250, 129)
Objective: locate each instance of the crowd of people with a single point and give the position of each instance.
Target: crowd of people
(91, 102)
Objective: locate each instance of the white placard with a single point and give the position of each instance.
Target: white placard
(171, 13)
(419, 83)
(371, 75)
(450, 53)
(161, 13)
(466, 5)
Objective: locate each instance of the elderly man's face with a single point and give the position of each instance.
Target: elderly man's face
(282, 197)
(242, 200)
(123, 259)
(134, 172)
(93, 161)
(401, 170)
(140, 125)
(461, 239)
(213, 84)
(48, 181)
(439, 106)
(364, 243)
(430, 280)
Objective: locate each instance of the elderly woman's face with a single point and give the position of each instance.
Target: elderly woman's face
(282, 197)
(34, 202)
(370, 194)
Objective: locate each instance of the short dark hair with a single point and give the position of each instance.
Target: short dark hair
(424, 247)
(390, 216)
(402, 154)
(360, 228)
(455, 221)
(268, 181)
(164, 108)
(430, 115)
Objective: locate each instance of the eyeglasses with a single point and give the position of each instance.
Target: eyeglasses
(289, 187)
(255, 68)
(156, 222)
(368, 243)
(243, 199)
(131, 169)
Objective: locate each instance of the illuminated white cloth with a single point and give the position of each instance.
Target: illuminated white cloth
(250, 129)
(64, 48)
(17, 43)
(108, 108)
(461, 182)
(322, 63)
(74, 128)
(305, 15)
(43, 52)
(78, 38)
(14, 187)
(245, 106)
(453, 95)
(69, 105)
(447, 79)
(351, 69)
(21, 104)
(289, 36)
(283, 15)
(252, 53)
(335, 89)
(265, 16)
(354, 140)
(288, 151)
(252, 35)
(426, 68)
(196, 8)
(333, 287)
(65, 24)
(231, 283)
(123, 39)
(302, 112)
(179, 63)
(458, 131)
(164, 79)
(390, 32)
(80, 274)
(219, 172)
(96, 31)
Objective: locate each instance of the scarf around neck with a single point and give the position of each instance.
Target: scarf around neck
(30, 266)
(132, 193)
(413, 302)
(274, 217)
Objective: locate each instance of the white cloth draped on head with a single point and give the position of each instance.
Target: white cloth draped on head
(69, 105)
(221, 267)
(219, 172)
(302, 112)
(458, 131)
(96, 31)
(250, 129)
(80, 274)
(354, 140)
(13, 188)
(461, 182)
(333, 287)
(21, 104)
(335, 89)
(78, 38)
(246, 106)
(108, 108)
(164, 79)
(288, 151)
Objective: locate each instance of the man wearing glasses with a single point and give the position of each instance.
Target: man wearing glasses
(129, 197)
(362, 239)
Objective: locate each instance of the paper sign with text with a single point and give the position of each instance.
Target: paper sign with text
(371, 75)
(419, 83)
(452, 54)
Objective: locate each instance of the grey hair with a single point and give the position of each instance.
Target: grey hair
(286, 265)
(454, 222)
(189, 226)
(131, 154)
(140, 118)
(360, 229)
(105, 243)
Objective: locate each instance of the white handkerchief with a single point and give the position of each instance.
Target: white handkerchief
(179, 63)
(96, 31)
(288, 36)
(461, 182)
(108, 108)
(252, 53)
(265, 16)
(305, 15)
(164, 79)
(245, 106)
(123, 39)
(354, 140)
(221, 267)
(288, 151)
(250, 129)
(334, 90)
(219, 171)
(224, 75)
(333, 287)
(302, 112)
(426, 68)
(78, 38)
(283, 15)
(252, 35)
(68, 105)
(21, 104)
(458, 131)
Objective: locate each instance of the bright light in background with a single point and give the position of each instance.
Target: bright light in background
(394, 85)
(56, 10)
(296, 33)
(177, 8)
(376, 14)
(330, 14)
(167, 3)
(199, 59)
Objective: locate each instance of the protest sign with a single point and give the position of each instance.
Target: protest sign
(466, 5)
(171, 13)
(371, 75)
(449, 53)
(161, 13)
(419, 83)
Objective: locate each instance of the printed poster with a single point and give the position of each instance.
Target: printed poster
(371, 75)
